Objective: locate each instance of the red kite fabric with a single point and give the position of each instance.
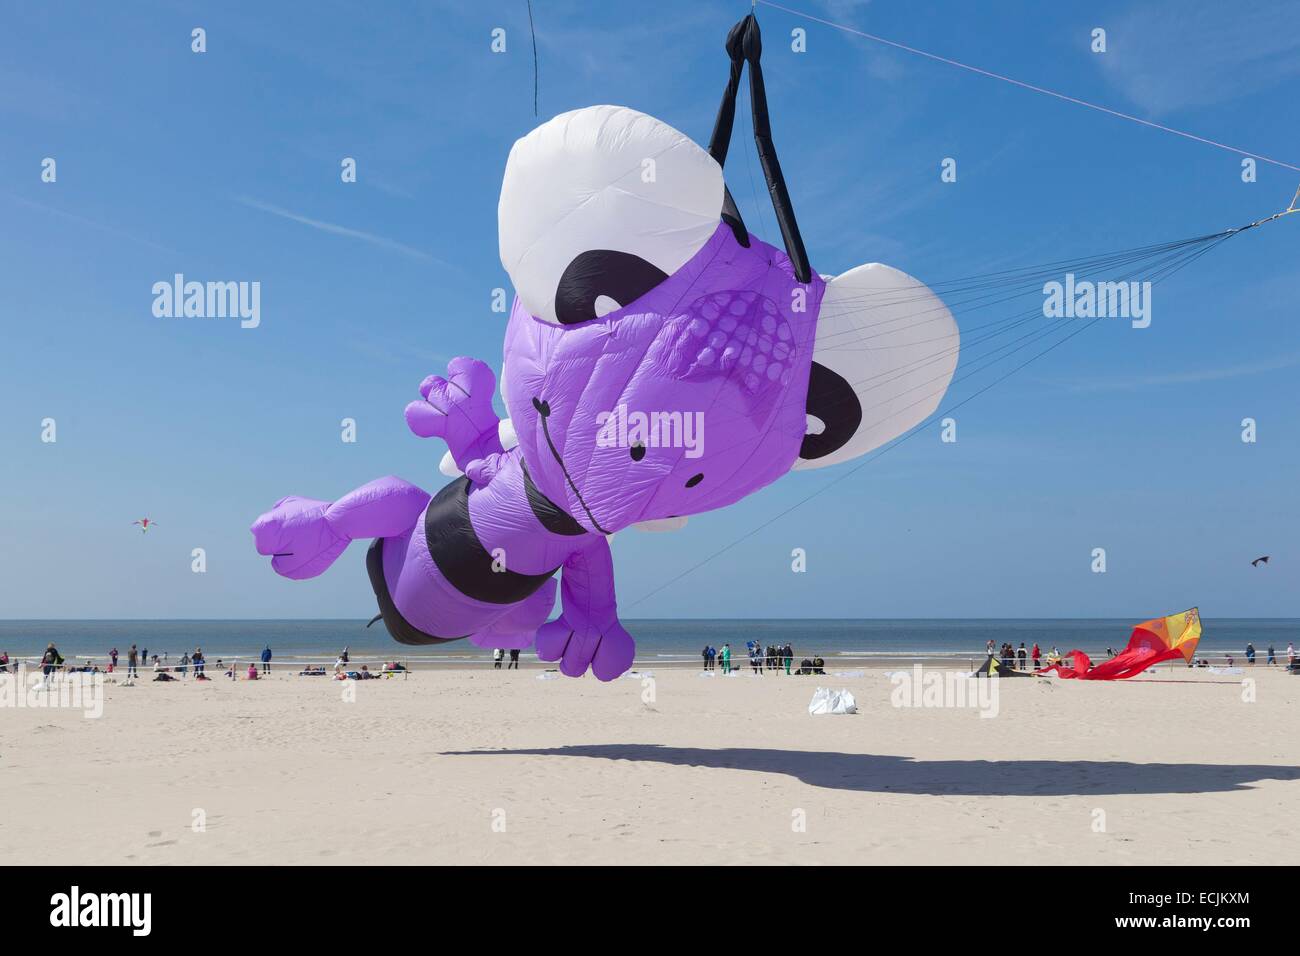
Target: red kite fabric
(1159, 639)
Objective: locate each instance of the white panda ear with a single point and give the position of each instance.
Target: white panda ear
(617, 194)
(448, 466)
(885, 352)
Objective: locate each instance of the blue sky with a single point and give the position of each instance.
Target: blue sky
(225, 165)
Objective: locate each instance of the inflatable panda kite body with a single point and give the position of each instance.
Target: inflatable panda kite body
(659, 362)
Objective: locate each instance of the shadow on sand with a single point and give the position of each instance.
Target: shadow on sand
(888, 774)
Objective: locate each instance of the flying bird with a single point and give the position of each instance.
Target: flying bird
(144, 523)
(1258, 561)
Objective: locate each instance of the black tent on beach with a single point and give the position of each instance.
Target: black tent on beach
(994, 668)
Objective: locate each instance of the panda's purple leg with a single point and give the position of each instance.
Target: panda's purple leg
(305, 535)
(518, 625)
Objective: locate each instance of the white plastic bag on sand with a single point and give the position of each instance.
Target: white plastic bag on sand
(548, 675)
(827, 701)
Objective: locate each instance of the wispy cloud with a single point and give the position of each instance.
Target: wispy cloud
(1174, 54)
(383, 242)
(1141, 380)
(89, 223)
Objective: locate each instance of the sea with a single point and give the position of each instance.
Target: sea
(662, 641)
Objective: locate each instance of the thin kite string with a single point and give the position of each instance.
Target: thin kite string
(902, 439)
(533, 32)
(1032, 87)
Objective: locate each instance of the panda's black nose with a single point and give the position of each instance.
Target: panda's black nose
(694, 480)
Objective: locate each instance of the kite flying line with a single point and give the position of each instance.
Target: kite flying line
(1169, 258)
(533, 32)
(937, 416)
(1030, 86)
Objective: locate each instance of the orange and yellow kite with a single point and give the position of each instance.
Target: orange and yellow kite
(1160, 639)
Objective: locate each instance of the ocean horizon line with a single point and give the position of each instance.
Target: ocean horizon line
(340, 620)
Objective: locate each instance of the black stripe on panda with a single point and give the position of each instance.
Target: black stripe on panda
(551, 516)
(402, 630)
(461, 557)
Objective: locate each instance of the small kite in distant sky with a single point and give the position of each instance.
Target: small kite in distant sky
(145, 524)
(1258, 561)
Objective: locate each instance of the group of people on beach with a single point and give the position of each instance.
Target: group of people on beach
(499, 654)
(1272, 655)
(774, 658)
(1018, 658)
(1230, 661)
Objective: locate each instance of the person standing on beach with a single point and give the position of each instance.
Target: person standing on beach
(112, 659)
(1272, 656)
(131, 658)
(51, 660)
(788, 653)
(514, 659)
(266, 659)
(705, 654)
(725, 654)
(1290, 653)
(1021, 656)
(198, 662)
(497, 654)
(1250, 653)
(144, 657)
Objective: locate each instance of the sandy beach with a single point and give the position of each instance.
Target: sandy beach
(483, 766)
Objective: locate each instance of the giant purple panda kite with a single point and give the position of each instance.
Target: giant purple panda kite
(642, 299)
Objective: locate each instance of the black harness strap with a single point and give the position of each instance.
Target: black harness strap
(745, 43)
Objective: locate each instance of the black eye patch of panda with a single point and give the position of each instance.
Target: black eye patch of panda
(621, 276)
(832, 400)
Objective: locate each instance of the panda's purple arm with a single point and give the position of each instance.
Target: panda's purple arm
(305, 535)
(458, 409)
(587, 632)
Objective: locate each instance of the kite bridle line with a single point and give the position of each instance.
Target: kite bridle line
(1202, 246)
(1277, 215)
(1210, 243)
